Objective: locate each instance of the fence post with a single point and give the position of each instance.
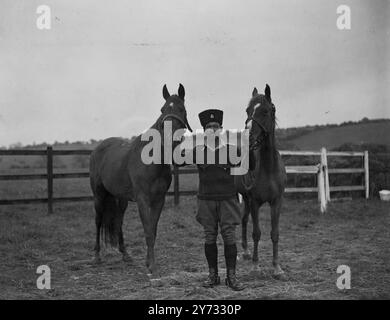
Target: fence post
(321, 189)
(176, 184)
(50, 179)
(324, 163)
(366, 174)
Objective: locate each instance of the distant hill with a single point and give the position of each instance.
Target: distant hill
(376, 131)
(332, 136)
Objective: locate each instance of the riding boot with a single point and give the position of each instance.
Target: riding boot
(211, 252)
(231, 258)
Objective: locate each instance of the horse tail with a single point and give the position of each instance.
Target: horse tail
(111, 221)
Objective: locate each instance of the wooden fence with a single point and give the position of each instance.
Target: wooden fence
(320, 169)
(323, 171)
(49, 176)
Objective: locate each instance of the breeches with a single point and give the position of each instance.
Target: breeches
(223, 213)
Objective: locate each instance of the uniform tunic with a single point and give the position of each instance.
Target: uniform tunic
(217, 196)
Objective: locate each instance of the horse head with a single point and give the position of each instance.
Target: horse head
(174, 110)
(261, 117)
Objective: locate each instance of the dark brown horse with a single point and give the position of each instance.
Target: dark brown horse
(266, 182)
(118, 175)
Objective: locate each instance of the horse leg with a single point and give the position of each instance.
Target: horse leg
(256, 233)
(156, 209)
(147, 222)
(99, 208)
(122, 206)
(244, 241)
(155, 212)
(275, 213)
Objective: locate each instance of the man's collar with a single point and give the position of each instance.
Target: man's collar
(220, 145)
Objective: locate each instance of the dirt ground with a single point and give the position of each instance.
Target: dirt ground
(354, 233)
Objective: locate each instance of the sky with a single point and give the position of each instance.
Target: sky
(99, 71)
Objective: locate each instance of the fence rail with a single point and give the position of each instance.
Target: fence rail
(320, 169)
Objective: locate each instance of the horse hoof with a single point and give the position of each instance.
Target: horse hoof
(280, 275)
(97, 260)
(246, 256)
(152, 270)
(256, 268)
(156, 282)
(126, 258)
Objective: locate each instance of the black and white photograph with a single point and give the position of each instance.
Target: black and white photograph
(217, 151)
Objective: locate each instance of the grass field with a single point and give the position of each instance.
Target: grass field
(355, 233)
(374, 132)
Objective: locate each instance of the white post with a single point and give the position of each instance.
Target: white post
(324, 163)
(321, 189)
(366, 174)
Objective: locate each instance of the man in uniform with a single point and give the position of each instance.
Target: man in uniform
(217, 202)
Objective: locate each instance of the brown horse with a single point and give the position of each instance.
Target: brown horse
(118, 175)
(266, 182)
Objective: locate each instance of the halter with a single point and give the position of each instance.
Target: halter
(261, 138)
(172, 115)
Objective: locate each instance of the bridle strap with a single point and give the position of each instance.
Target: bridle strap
(172, 115)
(260, 125)
(259, 139)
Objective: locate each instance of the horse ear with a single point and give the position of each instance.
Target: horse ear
(181, 92)
(166, 94)
(254, 92)
(267, 92)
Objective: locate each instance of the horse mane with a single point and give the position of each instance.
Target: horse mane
(137, 142)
